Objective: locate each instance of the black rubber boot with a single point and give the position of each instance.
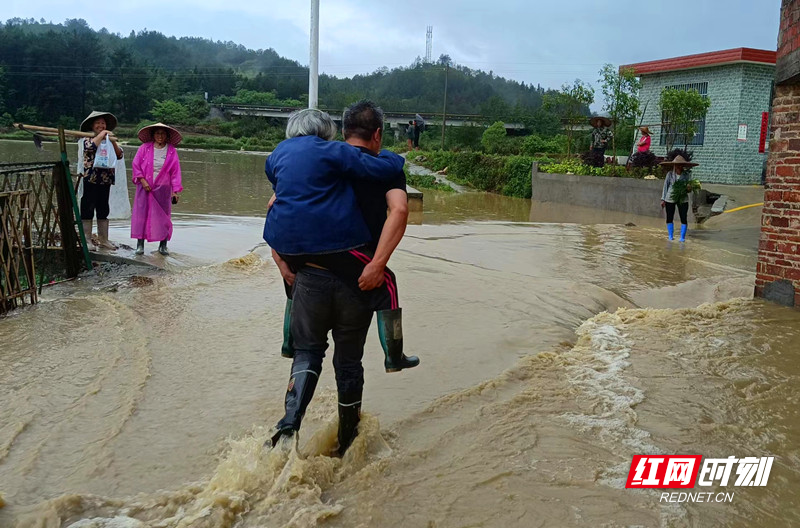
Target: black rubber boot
(349, 416)
(287, 348)
(140, 246)
(390, 331)
(302, 384)
(162, 248)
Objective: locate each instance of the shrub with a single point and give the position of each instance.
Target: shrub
(674, 153)
(27, 115)
(593, 158)
(518, 172)
(170, 112)
(426, 181)
(6, 120)
(493, 137)
(644, 159)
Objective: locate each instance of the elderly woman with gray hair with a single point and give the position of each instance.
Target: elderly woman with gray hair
(314, 220)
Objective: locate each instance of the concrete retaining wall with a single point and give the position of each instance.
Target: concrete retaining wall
(628, 195)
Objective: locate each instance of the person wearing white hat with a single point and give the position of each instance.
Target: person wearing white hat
(97, 181)
(157, 176)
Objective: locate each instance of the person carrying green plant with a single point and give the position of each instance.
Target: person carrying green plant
(677, 186)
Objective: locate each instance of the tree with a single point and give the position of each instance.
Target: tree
(620, 89)
(681, 112)
(128, 85)
(495, 109)
(2, 90)
(571, 104)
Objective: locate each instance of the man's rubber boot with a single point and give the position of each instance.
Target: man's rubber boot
(349, 416)
(287, 348)
(162, 248)
(102, 234)
(684, 227)
(390, 331)
(671, 231)
(302, 384)
(87, 231)
(140, 247)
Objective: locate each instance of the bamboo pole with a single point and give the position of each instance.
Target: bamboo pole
(54, 131)
(74, 222)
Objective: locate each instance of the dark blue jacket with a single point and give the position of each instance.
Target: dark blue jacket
(315, 210)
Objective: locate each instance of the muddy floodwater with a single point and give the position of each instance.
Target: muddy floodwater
(556, 343)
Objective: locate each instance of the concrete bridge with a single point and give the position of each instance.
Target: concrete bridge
(392, 119)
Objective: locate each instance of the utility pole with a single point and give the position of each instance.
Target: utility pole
(444, 107)
(313, 65)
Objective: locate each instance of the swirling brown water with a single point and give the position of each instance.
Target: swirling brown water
(130, 403)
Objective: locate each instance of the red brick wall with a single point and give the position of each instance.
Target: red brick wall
(788, 65)
(778, 268)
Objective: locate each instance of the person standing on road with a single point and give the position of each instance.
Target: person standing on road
(97, 181)
(157, 176)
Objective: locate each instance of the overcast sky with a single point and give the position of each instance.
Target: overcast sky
(549, 42)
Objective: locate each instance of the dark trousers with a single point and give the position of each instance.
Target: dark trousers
(683, 211)
(321, 303)
(602, 152)
(95, 198)
(348, 266)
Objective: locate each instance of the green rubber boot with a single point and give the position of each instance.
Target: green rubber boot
(287, 348)
(390, 331)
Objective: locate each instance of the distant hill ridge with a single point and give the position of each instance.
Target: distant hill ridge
(58, 71)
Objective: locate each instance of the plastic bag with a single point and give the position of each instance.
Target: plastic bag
(106, 156)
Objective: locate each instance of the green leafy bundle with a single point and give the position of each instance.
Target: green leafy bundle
(682, 188)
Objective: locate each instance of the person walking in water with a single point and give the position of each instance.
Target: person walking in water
(668, 198)
(363, 127)
(157, 176)
(315, 219)
(323, 303)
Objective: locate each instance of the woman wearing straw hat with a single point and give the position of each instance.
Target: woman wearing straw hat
(644, 142)
(97, 182)
(601, 135)
(157, 176)
(676, 173)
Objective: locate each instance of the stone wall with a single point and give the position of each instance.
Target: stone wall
(738, 94)
(627, 195)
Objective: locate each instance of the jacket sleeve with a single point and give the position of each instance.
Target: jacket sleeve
(270, 172)
(136, 167)
(357, 165)
(176, 173)
(666, 186)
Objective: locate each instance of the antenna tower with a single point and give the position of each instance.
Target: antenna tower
(429, 44)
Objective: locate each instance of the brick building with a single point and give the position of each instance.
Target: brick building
(739, 83)
(778, 268)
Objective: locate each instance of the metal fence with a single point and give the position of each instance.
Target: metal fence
(54, 238)
(17, 268)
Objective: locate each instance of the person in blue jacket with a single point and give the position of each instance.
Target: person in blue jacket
(314, 220)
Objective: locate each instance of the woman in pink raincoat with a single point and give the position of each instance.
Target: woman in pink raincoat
(157, 176)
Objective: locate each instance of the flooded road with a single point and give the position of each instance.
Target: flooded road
(554, 347)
